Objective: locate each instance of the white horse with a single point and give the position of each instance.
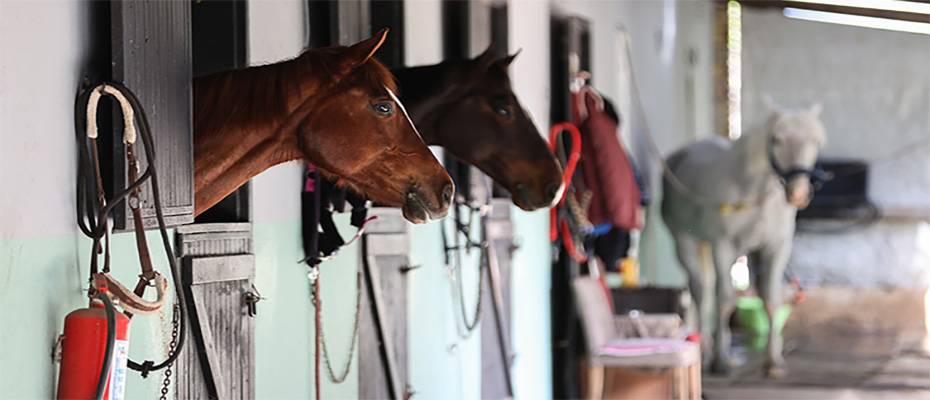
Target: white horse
(741, 197)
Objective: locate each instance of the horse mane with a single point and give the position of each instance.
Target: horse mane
(256, 97)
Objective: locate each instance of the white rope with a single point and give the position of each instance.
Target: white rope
(92, 113)
(129, 117)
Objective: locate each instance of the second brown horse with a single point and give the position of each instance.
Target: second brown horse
(333, 107)
(468, 107)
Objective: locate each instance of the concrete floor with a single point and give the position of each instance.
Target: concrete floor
(829, 376)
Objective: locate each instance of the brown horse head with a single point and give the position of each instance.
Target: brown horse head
(469, 108)
(335, 108)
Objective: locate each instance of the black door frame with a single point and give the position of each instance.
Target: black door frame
(570, 44)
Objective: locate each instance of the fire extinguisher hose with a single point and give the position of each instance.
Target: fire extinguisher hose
(111, 341)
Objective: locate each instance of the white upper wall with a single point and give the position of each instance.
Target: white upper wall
(423, 28)
(39, 75)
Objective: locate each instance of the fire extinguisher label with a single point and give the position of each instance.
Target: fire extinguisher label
(118, 377)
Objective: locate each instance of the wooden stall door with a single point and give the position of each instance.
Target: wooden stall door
(217, 362)
(382, 331)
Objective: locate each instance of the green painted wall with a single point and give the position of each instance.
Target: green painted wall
(284, 331)
(42, 279)
(444, 361)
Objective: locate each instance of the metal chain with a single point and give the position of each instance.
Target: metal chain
(455, 267)
(344, 373)
(175, 323)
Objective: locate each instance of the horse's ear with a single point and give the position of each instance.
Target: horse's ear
(816, 109)
(505, 62)
(361, 52)
(486, 58)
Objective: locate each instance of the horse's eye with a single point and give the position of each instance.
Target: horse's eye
(384, 108)
(501, 107)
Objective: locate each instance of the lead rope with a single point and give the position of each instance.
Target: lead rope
(320, 337)
(317, 325)
(350, 354)
(314, 217)
(558, 224)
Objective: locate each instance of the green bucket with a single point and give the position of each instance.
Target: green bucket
(752, 318)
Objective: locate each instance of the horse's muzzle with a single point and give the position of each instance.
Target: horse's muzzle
(420, 207)
(799, 192)
(524, 198)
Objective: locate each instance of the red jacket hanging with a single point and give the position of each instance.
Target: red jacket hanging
(607, 172)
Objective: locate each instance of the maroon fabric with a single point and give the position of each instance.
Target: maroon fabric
(606, 170)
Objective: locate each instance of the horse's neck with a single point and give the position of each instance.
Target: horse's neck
(245, 123)
(750, 158)
(423, 97)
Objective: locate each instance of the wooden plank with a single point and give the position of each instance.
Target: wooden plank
(215, 227)
(213, 239)
(210, 359)
(382, 323)
(222, 340)
(151, 55)
(218, 269)
(372, 373)
(386, 245)
(219, 314)
(390, 220)
(496, 352)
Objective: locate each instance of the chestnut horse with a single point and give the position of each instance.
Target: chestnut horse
(469, 108)
(333, 107)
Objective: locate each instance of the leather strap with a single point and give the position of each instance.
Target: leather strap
(145, 259)
(133, 303)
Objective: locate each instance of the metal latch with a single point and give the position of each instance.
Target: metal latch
(252, 298)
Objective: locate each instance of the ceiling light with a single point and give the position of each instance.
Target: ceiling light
(858, 20)
(887, 5)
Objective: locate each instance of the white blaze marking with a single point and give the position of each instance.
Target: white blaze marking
(403, 110)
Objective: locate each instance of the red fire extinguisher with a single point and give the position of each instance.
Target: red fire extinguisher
(95, 349)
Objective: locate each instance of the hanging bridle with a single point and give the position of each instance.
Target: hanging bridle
(93, 210)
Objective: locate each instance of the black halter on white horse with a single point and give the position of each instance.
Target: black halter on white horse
(816, 175)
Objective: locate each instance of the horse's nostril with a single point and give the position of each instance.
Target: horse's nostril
(447, 193)
(552, 190)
